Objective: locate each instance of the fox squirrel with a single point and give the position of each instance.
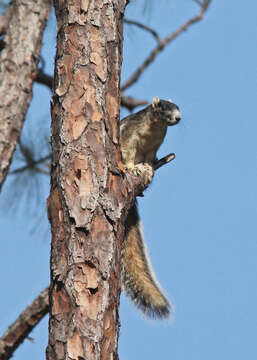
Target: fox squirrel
(141, 135)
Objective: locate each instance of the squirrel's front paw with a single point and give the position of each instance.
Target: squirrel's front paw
(147, 170)
(143, 169)
(133, 168)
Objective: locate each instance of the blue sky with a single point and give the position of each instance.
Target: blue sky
(199, 214)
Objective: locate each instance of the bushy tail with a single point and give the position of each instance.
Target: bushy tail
(138, 278)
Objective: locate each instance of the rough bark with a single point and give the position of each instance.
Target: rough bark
(90, 194)
(20, 329)
(23, 25)
(126, 101)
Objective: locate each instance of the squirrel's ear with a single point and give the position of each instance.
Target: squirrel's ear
(169, 100)
(155, 101)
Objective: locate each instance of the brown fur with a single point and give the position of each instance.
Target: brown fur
(141, 136)
(137, 275)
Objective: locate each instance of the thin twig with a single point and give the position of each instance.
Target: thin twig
(25, 323)
(42, 171)
(31, 165)
(131, 103)
(27, 153)
(164, 43)
(144, 27)
(205, 5)
(198, 2)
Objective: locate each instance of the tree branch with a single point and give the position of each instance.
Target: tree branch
(198, 2)
(131, 103)
(163, 44)
(205, 4)
(44, 79)
(31, 165)
(144, 27)
(163, 161)
(25, 323)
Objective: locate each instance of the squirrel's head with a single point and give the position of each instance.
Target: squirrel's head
(166, 110)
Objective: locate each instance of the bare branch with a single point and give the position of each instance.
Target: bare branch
(31, 165)
(144, 27)
(163, 161)
(26, 152)
(198, 2)
(205, 5)
(164, 43)
(130, 103)
(44, 79)
(21, 328)
(42, 171)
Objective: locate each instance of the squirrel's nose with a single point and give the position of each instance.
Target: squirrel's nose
(177, 115)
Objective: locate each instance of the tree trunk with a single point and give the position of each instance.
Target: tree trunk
(89, 193)
(23, 24)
